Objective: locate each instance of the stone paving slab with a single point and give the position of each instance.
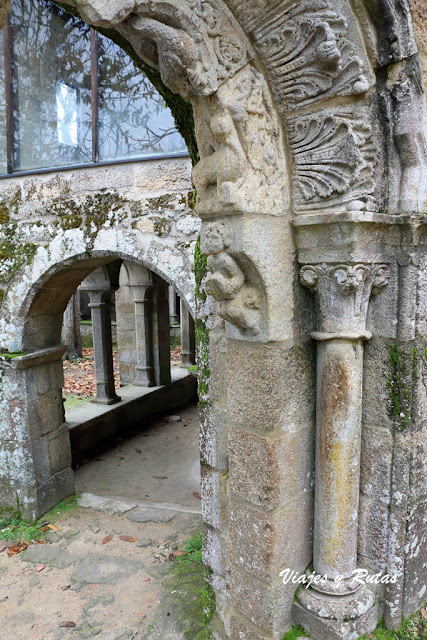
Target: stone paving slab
(97, 569)
(49, 555)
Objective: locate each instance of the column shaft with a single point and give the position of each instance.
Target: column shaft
(103, 351)
(144, 372)
(338, 435)
(188, 356)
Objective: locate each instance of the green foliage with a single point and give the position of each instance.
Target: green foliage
(14, 528)
(294, 633)
(414, 627)
(191, 595)
(12, 355)
(200, 270)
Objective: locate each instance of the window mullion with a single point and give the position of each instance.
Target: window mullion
(7, 42)
(94, 93)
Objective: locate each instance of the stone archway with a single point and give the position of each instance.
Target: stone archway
(297, 163)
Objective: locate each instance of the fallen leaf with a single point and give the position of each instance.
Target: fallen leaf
(14, 549)
(424, 613)
(197, 495)
(40, 567)
(107, 538)
(138, 450)
(44, 528)
(160, 477)
(68, 624)
(128, 538)
(53, 527)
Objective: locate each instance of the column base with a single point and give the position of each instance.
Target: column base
(143, 377)
(331, 617)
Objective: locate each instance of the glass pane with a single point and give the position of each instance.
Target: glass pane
(51, 66)
(133, 119)
(3, 159)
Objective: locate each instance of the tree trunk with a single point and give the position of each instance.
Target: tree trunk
(72, 335)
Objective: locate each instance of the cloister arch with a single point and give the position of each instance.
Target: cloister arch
(311, 126)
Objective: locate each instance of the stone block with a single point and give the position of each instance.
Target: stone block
(373, 533)
(214, 437)
(170, 175)
(265, 543)
(415, 592)
(50, 411)
(377, 401)
(376, 463)
(418, 472)
(216, 553)
(42, 376)
(41, 461)
(214, 497)
(268, 608)
(59, 449)
(47, 495)
(242, 629)
(284, 376)
(56, 374)
(270, 471)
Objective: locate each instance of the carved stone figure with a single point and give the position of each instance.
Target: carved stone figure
(238, 302)
(242, 166)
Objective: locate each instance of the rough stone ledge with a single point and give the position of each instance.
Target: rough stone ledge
(36, 358)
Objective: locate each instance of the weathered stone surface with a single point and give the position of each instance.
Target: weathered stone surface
(94, 569)
(110, 506)
(53, 556)
(152, 514)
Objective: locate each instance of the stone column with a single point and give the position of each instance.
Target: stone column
(174, 319)
(144, 371)
(337, 608)
(161, 333)
(188, 348)
(100, 306)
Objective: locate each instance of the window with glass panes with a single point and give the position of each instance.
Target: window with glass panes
(70, 96)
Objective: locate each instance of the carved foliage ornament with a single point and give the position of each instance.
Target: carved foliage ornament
(306, 47)
(334, 162)
(343, 292)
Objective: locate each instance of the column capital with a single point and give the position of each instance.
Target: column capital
(343, 292)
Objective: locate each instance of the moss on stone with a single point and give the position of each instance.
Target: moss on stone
(405, 363)
(71, 221)
(190, 593)
(13, 253)
(161, 226)
(4, 213)
(295, 633)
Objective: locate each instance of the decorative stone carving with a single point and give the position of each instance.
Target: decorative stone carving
(242, 167)
(334, 159)
(239, 303)
(196, 45)
(5, 7)
(343, 292)
(307, 48)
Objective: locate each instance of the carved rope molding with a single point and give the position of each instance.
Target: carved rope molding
(343, 293)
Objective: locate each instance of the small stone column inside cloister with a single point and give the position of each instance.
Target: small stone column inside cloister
(338, 605)
(100, 291)
(188, 354)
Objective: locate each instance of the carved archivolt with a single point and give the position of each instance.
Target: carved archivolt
(334, 162)
(307, 48)
(196, 45)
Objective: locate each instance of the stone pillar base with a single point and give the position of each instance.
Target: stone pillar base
(327, 617)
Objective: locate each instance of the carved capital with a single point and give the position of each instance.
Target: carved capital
(343, 293)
